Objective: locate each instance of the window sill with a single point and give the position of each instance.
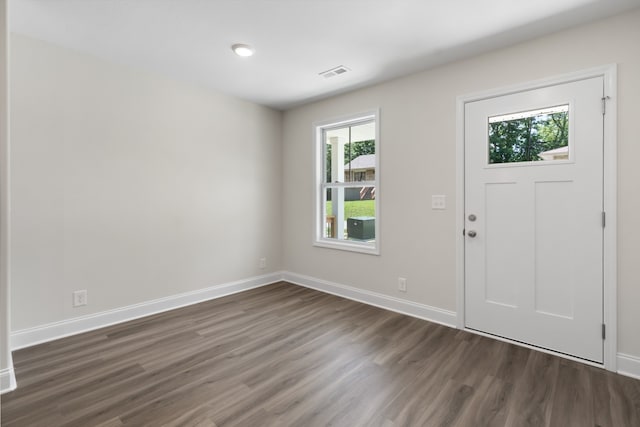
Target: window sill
(346, 245)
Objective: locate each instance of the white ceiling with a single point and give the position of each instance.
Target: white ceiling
(295, 39)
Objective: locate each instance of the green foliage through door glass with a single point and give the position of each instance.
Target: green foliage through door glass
(530, 136)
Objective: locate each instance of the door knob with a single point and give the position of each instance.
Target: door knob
(472, 233)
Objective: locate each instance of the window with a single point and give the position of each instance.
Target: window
(347, 178)
(530, 136)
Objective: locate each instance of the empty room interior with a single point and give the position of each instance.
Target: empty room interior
(313, 213)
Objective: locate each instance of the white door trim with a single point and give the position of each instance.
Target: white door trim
(609, 73)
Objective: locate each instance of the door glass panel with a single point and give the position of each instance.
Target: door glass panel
(530, 136)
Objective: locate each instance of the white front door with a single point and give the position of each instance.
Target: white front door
(533, 217)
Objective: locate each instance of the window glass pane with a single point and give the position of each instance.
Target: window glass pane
(360, 161)
(530, 136)
(350, 153)
(357, 216)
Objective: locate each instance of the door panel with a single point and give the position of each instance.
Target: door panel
(553, 227)
(533, 271)
(498, 282)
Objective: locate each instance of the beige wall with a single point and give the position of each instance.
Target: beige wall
(127, 184)
(418, 138)
(5, 354)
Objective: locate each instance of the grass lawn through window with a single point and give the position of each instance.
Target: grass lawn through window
(356, 208)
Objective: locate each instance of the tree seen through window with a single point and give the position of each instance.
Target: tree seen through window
(527, 137)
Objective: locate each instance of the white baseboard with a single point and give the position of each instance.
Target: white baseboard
(52, 331)
(421, 311)
(7, 380)
(629, 365)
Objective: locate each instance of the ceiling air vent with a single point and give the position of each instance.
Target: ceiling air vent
(334, 71)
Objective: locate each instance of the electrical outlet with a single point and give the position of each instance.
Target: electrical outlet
(80, 298)
(263, 263)
(402, 284)
(438, 202)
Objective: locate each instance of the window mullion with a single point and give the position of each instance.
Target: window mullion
(355, 184)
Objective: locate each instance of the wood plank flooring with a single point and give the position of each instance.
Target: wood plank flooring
(283, 355)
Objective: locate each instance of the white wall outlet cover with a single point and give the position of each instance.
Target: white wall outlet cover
(79, 298)
(438, 202)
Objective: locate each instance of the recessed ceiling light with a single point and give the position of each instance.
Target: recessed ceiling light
(242, 49)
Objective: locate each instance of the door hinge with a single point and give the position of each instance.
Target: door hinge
(604, 331)
(463, 231)
(604, 219)
(604, 104)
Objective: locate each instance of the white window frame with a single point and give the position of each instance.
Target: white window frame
(320, 185)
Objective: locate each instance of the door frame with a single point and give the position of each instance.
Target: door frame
(609, 74)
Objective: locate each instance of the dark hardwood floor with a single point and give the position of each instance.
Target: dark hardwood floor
(283, 355)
